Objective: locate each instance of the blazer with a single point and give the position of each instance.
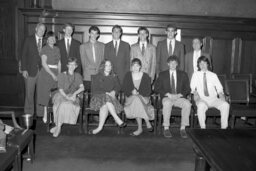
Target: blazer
(89, 66)
(73, 52)
(145, 85)
(148, 60)
(30, 59)
(163, 84)
(162, 55)
(121, 61)
(189, 62)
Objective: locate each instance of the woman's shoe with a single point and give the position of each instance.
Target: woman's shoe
(135, 135)
(123, 125)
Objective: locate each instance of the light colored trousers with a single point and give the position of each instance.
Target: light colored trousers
(182, 103)
(204, 104)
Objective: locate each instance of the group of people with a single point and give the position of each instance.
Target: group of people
(62, 70)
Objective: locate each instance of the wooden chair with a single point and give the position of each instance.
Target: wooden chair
(50, 118)
(176, 112)
(153, 99)
(239, 96)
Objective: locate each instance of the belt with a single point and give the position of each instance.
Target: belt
(53, 66)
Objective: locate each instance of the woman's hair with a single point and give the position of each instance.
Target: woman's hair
(102, 67)
(72, 59)
(136, 61)
(204, 59)
(50, 34)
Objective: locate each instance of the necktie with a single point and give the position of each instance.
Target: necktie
(68, 46)
(143, 49)
(170, 48)
(206, 93)
(173, 89)
(116, 47)
(39, 45)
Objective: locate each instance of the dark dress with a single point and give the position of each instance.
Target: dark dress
(45, 80)
(102, 84)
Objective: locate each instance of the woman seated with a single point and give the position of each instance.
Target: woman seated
(137, 89)
(66, 105)
(105, 85)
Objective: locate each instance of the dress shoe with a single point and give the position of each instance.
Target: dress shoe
(183, 133)
(123, 125)
(151, 129)
(134, 135)
(167, 133)
(90, 132)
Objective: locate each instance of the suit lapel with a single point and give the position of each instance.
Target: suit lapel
(165, 48)
(168, 81)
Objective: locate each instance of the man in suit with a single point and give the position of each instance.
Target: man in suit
(69, 47)
(169, 47)
(173, 86)
(118, 52)
(146, 52)
(192, 57)
(31, 64)
(92, 54)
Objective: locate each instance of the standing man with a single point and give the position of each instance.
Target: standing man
(192, 57)
(206, 88)
(169, 47)
(69, 47)
(146, 52)
(173, 86)
(118, 52)
(92, 54)
(31, 64)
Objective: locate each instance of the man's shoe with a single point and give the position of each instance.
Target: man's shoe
(123, 125)
(183, 133)
(167, 133)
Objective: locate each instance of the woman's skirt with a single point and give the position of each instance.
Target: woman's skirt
(65, 111)
(99, 100)
(135, 108)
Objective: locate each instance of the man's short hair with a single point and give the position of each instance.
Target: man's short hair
(204, 59)
(173, 58)
(143, 28)
(94, 28)
(197, 38)
(68, 25)
(72, 59)
(40, 24)
(171, 26)
(117, 27)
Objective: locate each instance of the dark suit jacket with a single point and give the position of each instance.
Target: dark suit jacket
(145, 85)
(162, 55)
(163, 84)
(73, 52)
(121, 61)
(189, 62)
(30, 59)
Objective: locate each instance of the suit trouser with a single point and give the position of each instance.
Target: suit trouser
(182, 103)
(30, 86)
(222, 106)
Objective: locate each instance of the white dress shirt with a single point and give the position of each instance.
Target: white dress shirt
(145, 45)
(213, 84)
(196, 55)
(173, 44)
(118, 43)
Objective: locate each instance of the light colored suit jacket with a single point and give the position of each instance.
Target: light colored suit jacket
(148, 60)
(162, 55)
(89, 66)
(189, 62)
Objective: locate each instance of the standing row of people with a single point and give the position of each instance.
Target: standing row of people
(143, 59)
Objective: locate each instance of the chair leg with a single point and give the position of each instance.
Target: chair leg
(48, 120)
(159, 123)
(81, 122)
(86, 123)
(155, 122)
(233, 121)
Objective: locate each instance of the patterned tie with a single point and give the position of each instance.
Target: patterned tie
(206, 93)
(173, 89)
(170, 48)
(116, 48)
(39, 45)
(143, 49)
(68, 46)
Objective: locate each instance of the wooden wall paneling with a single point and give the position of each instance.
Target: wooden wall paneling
(248, 57)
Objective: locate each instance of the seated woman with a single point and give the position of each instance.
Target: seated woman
(66, 105)
(105, 85)
(137, 89)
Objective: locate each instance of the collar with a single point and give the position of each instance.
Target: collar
(145, 44)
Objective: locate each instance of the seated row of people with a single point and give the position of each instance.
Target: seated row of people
(172, 84)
